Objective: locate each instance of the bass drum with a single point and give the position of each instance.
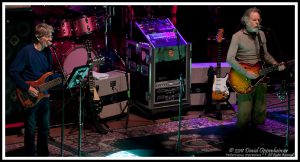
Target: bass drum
(70, 55)
(62, 48)
(77, 56)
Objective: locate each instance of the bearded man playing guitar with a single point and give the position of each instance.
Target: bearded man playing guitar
(30, 69)
(246, 53)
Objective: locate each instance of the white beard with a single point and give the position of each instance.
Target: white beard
(251, 30)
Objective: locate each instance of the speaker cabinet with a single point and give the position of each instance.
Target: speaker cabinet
(19, 27)
(113, 93)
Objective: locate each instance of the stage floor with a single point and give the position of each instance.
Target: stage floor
(201, 135)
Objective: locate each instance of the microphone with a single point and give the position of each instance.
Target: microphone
(53, 46)
(260, 27)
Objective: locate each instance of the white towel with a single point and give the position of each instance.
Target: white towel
(100, 76)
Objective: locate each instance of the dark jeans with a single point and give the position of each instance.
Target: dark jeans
(37, 116)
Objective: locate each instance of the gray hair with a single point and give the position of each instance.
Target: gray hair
(247, 14)
(43, 29)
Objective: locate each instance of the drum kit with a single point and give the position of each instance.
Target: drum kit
(76, 44)
(69, 38)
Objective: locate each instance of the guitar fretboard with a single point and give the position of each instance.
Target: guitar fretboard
(219, 59)
(219, 56)
(50, 84)
(274, 68)
(268, 70)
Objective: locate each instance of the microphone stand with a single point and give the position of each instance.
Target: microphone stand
(131, 15)
(286, 89)
(128, 93)
(109, 12)
(288, 118)
(63, 103)
(127, 86)
(181, 91)
(80, 114)
(77, 78)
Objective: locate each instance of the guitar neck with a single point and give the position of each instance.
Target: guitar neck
(268, 70)
(91, 81)
(91, 64)
(90, 77)
(274, 68)
(50, 84)
(219, 56)
(219, 59)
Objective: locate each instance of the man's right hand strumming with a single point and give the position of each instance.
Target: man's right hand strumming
(33, 92)
(251, 75)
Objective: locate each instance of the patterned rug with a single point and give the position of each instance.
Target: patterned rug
(201, 137)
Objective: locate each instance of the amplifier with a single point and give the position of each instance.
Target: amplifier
(113, 93)
(199, 85)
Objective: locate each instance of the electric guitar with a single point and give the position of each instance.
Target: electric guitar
(220, 91)
(94, 102)
(93, 92)
(27, 100)
(241, 84)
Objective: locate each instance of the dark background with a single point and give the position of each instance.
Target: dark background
(195, 23)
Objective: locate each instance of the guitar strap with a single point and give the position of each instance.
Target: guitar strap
(261, 47)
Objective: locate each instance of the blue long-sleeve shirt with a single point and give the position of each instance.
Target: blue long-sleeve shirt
(29, 65)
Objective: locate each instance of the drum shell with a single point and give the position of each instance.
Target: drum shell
(64, 29)
(85, 25)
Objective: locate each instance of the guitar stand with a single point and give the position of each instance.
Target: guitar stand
(128, 106)
(99, 128)
(229, 105)
(218, 113)
(209, 106)
(95, 119)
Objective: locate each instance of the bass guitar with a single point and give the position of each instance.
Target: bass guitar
(27, 100)
(241, 84)
(220, 91)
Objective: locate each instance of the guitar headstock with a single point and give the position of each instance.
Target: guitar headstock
(97, 61)
(220, 35)
(88, 45)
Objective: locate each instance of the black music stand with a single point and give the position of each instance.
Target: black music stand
(77, 75)
(75, 79)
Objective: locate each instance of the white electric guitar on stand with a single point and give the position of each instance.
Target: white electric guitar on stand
(220, 90)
